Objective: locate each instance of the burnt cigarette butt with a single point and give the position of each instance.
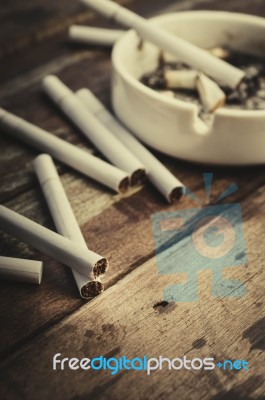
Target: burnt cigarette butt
(211, 95)
(189, 53)
(185, 79)
(220, 52)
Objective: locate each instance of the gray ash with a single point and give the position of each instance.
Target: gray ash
(250, 95)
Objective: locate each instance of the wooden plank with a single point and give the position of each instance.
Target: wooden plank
(37, 40)
(118, 228)
(25, 90)
(17, 156)
(127, 240)
(29, 42)
(130, 319)
(16, 162)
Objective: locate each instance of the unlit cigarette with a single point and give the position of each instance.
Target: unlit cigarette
(185, 79)
(16, 269)
(91, 35)
(65, 221)
(211, 95)
(188, 53)
(156, 172)
(68, 154)
(94, 130)
(64, 250)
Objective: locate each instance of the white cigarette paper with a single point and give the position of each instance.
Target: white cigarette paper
(21, 270)
(211, 95)
(97, 133)
(156, 172)
(185, 79)
(68, 154)
(64, 219)
(96, 36)
(192, 55)
(64, 250)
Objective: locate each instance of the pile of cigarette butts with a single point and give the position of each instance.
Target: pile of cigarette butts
(130, 160)
(211, 95)
(204, 71)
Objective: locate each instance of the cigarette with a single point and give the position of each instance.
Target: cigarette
(16, 269)
(220, 52)
(171, 188)
(188, 53)
(64, 219)
(167, 93)
(96, 132)
(181, 79)
(64, 250)
(68, 154)
(96, 36)
(211, 95)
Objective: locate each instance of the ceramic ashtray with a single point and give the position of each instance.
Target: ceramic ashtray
(150, 98)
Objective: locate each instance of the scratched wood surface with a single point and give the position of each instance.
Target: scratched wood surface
(129, 318)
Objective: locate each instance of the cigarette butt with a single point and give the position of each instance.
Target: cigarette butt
(65, 152)
(167, 93)
(97, 133)
(211, 95)
(220, 52)
(187, 52)
(185, 79)
(95, 36)
(261, 93)
(65, 221)
(171, 188)
(64, 250)
(21, 270)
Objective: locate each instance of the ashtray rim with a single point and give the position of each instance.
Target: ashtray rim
(175, 102)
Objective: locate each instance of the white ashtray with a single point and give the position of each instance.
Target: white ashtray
(235, 136)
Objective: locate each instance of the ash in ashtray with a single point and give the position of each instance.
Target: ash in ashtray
(175, 79)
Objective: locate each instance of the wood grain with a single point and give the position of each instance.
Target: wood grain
(128, 320)
(118, 228)
(41, 31)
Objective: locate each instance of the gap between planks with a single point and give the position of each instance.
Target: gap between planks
(53, 28)
(123, 321)
(115, 274)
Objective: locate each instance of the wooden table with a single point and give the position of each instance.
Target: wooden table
(130, 318)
